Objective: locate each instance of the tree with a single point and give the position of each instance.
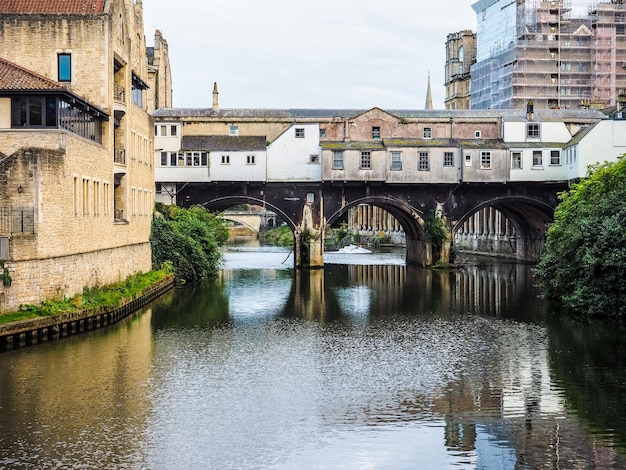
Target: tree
(189, 239)
(583, 265)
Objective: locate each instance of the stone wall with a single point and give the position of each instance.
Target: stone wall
(57, 277)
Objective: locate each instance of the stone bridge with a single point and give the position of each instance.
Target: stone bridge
(257, 221)
(311, 208)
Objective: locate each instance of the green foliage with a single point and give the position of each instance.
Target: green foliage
(189, 240)
(110, 296)
(7, 280)
(436, 231)
(584, 261)
(279, 236)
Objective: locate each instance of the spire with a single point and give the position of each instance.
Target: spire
(429, 96)
(215, 103)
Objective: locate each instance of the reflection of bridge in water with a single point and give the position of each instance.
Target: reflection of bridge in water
(487, 413)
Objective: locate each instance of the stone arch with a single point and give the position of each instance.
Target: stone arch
(412, 220)
(243, 222)
(529, 217)
(220, 204)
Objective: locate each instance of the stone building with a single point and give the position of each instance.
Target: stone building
(76, 147)
(460, 55)
(159, 74)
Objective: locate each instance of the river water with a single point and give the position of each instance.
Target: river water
(366, 364)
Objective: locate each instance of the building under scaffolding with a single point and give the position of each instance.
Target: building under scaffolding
(542, 51)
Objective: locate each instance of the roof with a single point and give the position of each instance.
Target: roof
(559, 115)
(223, 143)
(579, 136)
(16, 78)
(84, 7)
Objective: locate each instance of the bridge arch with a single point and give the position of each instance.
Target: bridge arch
(243, 222)
(529, 217)
(220, 204)
(412, 220)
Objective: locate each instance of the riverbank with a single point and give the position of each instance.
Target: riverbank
(31, 331)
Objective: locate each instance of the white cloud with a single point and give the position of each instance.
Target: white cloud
(307, 54)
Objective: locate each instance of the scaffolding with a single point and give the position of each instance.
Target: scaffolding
(557, 61)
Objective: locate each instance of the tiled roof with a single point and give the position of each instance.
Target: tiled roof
(16, 78)
(223, 143)
(84, 7)
(576, 115)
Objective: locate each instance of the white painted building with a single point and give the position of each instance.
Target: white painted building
(295, 155)
(536, 143)
(603, 141)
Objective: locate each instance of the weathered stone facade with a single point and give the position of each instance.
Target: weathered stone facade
(91, 196)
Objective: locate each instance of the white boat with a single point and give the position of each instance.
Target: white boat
(353, 249)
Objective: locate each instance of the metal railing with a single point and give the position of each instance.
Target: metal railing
(17, 220)
(119, 93)
(120, 155)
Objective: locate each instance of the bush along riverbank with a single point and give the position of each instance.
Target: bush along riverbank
(583, 266)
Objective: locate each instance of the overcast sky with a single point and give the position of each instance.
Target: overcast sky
(354, 54)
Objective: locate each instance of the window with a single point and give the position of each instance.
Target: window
(516, 160)
(468, 160)
(299, 133)
(366, 160)
(396, 161)
(156, 130)
(233, 131)
(250, 159)
(163, 131)
(225, 159)
(485, 160)
(555, 157)
(4, 247)
(532, 131)
(537, 158)
(314, 159)
(448, 159)
(138, 86)
(204, 158)
(428, 133)
(322, 133)
(173, 159)
(196, 158)
(477, 134)
(163, 158)
(65, 67)
(423, 163)
(376, 132)
(173, 131)
(53, 111)
(337, 159)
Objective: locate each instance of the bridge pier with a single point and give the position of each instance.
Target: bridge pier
(309, 249)
(309, 242)
(419, 251)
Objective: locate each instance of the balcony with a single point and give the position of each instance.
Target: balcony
(119, 156)
(119, 93)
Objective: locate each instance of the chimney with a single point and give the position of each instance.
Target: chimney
(215, 93)
(529, 110)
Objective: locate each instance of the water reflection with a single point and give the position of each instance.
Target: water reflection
(353, 366)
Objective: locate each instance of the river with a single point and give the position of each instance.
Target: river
(366, 364)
